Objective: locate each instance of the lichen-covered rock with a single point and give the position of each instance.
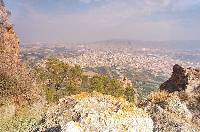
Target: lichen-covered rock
(72, 127)
(96, 112)
(171, 115)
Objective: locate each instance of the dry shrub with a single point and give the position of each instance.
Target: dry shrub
(20, 101)
(159, 97)
(183, 96)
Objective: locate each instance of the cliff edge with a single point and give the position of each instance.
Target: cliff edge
(176, 107)
(182, 79)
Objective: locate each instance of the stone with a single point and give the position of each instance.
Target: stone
(182, 79)
(172, 115)
(9, 43)
(17, 84)
(180, 110)
(97, 112)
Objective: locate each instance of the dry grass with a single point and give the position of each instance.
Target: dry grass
(159, 97)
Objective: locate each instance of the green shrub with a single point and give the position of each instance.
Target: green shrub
(18, 124)
(130, 94)
(60, 79)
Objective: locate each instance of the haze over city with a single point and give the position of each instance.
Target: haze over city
(94, 20)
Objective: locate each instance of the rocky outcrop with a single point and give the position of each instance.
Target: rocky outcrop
(177, 106)
(171, 114)
(9, 43)
(187, 82)
(182, 79)
(4, 15)
(95, 112)
(17, 87)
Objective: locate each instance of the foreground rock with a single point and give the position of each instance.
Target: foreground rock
(187, 82)
(177, 106)
(20, 97)
(171, 114)
(95, 112)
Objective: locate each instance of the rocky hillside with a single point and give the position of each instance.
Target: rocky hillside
(94, 112)
(14, 76)
(9, 43)
(177, 106)
(182, 79)
(20, 97)
(164, 111)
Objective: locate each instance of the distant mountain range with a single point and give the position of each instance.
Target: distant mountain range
(173, 44)
(193, 45)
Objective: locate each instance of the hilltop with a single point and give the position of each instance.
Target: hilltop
(56, 96)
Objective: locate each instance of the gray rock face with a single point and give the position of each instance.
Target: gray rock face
(96, 112)
(182, 79)
(172, 115)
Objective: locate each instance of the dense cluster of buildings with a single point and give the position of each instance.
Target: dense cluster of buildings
(125, 59)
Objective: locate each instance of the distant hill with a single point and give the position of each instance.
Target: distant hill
(173, 44)
(193, 45)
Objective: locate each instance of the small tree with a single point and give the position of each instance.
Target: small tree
(130, 94)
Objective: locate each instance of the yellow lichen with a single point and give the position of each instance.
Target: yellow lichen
(81, 96)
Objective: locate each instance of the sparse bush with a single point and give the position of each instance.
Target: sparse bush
(19, 86)
(130, 94)
(60, 79)
(18, 124)
(183, 96)
(17, 96)
(106, 85)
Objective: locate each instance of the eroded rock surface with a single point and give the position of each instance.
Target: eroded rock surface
(182, 79)
(9, 43)
(177, 106)
(172, 115)
(17, 86)
(96, 112)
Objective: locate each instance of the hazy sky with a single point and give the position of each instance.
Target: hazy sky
(91, 20)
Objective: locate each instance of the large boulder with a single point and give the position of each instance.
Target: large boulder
(95, 112)
(182, 79)
(186, 81)
(176, 107)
